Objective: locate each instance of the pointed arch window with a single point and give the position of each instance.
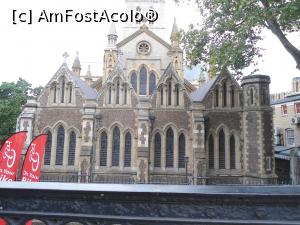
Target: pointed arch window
(177, 95)
(125, 95)
(157, 150)
(217, 97)
(72, 147)
(127, 157)
(169, 93)
(232, 97)
(109, 95)
(116, 147)
(143, 81)
(225, 95)
(54, 94)
(211, 153)
(103, 149)
(170, 148)
(133, 81)
(221, 150)
(62, 91)
(47, 156)
(232, 152)
(60, 145)
(152, 83)
(70, 94)
(181, 149)
(118, 93)
(161, 95)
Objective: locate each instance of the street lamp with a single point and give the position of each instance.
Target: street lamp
(186, 160)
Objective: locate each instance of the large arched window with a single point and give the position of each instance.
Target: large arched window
(72, 147)
(211, 153)
(152, 83)
(157, 150)
(47, 157)
(116, 146)
(133, 81)
(221, 149)
(127, 156)
(181, 149)
(169, 148)
(103, 149)
(169, 93)
(143, 81)
(118, 93)
(60, 141)
(232, 152)
(225, 95)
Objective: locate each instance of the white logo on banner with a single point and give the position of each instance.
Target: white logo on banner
(34, 158)
(9, 155)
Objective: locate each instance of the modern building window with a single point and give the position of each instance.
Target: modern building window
(127, 158)
(48, 148)
(169, 148)
(225, 95)
(72, 147)
(133, 81)
(232, 152)
(157, 150)
(211, 153)
(181, 149)
(290, 138)
(297, 107)
(116, 147)
(284, 110)
(60, 145)
(143, 81)
(103, 149)
(221, 150)
(152, 83)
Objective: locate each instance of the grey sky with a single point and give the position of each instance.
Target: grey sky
(34, 52)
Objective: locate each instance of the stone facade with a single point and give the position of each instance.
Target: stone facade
(143, 122)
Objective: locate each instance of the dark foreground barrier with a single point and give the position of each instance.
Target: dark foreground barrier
(61, 203)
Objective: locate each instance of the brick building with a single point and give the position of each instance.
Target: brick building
(142, 121)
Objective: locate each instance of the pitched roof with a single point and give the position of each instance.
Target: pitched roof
(89, 93)
(144, 29)
(200, 93)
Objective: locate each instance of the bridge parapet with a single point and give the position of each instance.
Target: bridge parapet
(61, 203)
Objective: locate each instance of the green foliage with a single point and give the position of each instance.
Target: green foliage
(12, 97)
(230, 31)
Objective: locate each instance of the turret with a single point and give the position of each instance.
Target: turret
(76, 68)
(174, 35)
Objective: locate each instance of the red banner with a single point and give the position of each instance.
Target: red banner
(31, 169)
(10, 156)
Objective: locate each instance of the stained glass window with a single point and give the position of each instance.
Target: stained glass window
(143, 81)
(152, 83)
(211, 153)
(181, 149)
(116, 147)
(72, 147)
(103, 149)
(169, 148)
(60, 145)
(221, 150)
(157, 150)
(232, 152)
(48, 149)
(127, 158)
(133, 81)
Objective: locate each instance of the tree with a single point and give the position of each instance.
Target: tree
(230, 30)
(12, 97)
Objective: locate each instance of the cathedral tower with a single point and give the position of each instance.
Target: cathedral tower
(158, 27)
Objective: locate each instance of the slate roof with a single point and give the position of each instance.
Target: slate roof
(289, 98)
(200, 93)
(89, 92)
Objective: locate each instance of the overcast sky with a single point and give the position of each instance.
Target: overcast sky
(34, 52)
